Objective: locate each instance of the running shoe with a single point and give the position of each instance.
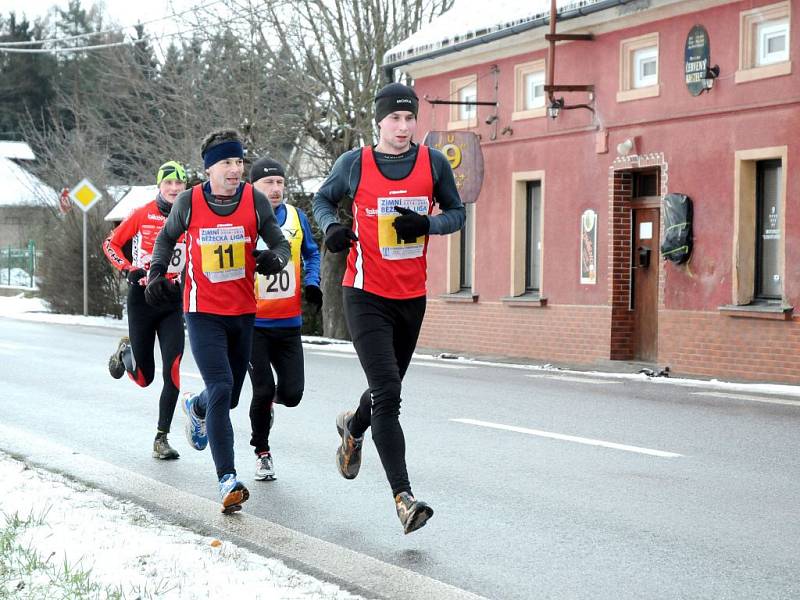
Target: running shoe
(115, 365)
(195, 426)
(413, 513)
(162, 449)
(265, 471)
(232, 493)
(348, 455)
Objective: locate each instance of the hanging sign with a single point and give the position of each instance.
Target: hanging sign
(463, 152)
(588, 247)
(695, 59)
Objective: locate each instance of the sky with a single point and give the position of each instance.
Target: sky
(124, 12)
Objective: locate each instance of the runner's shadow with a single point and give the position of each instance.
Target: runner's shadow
(413, 558)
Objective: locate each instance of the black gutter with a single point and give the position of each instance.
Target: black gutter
(388, 69)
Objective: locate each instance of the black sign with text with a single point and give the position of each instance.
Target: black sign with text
(696, 57)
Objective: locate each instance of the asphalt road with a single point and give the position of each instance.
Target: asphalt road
(545, 485)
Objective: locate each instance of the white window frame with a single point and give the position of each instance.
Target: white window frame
(641, 56)
(523, 109)
(532, 81)
(461, 88)
(632, 52)
(771, 30)
(756, 26)
(468, 93)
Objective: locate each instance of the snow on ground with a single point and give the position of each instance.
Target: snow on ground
(126, 548)
(18, 277)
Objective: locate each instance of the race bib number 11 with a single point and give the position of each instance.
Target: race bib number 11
(222, 252)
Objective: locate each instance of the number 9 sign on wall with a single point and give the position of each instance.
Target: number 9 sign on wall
(463, 151)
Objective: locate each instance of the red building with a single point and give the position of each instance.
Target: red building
(561, 260)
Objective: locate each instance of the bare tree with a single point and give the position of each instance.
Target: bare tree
(329, 53)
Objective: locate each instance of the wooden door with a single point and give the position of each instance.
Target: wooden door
(644, 298)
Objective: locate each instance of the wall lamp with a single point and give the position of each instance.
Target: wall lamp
(708, 79)
(554, 108)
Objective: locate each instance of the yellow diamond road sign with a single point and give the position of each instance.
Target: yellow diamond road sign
(85, 195)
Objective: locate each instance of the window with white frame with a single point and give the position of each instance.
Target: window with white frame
(468, 93)
(534, 90)
(463, 89)
(765, 42)
(645, 67)
(772, 42)
(638, 68)
(529, 96)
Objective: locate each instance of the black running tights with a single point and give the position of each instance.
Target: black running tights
(384, 333)
(144, 324)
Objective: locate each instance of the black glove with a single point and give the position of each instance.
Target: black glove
(339, 238)
(410, 224)
(314, 296)
(134, 275)
(160, 290)
(267, 262)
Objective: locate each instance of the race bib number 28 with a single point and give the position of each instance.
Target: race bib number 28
(222, 252)
(178, 260)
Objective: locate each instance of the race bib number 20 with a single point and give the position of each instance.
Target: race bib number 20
(222, 252)
(277, 285)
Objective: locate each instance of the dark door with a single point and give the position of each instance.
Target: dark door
(644, 298)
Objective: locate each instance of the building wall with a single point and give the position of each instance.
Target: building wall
(695, 138)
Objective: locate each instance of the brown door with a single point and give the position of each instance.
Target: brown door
(644, 299)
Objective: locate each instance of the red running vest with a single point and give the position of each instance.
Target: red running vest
(220, 266)
(380, 262)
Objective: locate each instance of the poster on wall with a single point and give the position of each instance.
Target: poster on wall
(588, 245)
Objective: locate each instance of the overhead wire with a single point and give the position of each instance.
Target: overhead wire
(129, 42)
(116, 29)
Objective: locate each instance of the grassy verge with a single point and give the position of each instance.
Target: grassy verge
(27, 575)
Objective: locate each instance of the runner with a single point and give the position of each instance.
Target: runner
(277, 343)
(394, 186)
(134, 353)
(221, 219)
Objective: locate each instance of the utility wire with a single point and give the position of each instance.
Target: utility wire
(107, 31)
(130, 42)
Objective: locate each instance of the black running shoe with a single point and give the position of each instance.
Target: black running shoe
(413, 513)
(348, 455)
(115, 365)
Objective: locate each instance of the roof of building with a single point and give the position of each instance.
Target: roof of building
(129, 199)
(21, 188)
(16, 150)
(470, 19)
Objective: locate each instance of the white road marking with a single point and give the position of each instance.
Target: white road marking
(575, 379)
(570, 438)
(748, 398)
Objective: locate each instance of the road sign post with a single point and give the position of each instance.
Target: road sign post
(85, 195)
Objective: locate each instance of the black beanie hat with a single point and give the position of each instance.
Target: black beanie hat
(265, 167)
(394, 97)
